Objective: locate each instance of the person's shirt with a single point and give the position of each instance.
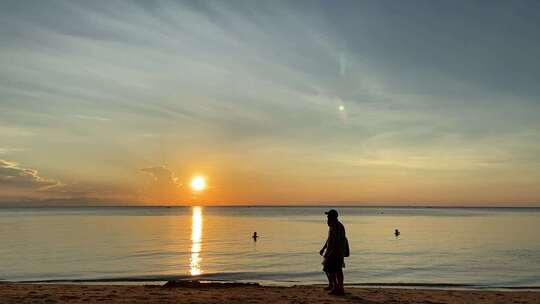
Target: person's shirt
(335, 244)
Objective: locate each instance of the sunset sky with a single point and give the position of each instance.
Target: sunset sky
(272, 102)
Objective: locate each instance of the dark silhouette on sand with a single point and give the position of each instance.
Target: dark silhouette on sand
(397, 233)
(334, 251)
(255, 236)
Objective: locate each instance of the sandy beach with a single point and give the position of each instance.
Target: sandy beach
(216, 293)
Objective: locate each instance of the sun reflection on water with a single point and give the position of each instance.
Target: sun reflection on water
(196, 236)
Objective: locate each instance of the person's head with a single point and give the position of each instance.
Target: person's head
(332, 216)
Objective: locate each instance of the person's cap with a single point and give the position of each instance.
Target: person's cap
(332, 213)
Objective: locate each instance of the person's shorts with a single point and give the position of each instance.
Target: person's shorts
(333, 264)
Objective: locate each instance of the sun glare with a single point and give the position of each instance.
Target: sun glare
(198, 183)
(196, 237)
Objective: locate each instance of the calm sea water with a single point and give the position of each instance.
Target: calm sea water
(480, 247)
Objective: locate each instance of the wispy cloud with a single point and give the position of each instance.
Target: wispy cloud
(6, 131)
(95, 118)
(12, 175)
(10, 150)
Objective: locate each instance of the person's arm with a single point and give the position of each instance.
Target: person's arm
(331, 242)
(324, 247)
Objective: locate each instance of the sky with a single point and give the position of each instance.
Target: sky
(273, 102)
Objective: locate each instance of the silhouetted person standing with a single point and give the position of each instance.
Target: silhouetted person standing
(334, 251)
(255, 236)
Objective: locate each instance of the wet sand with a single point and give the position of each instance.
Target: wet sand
(214, 293)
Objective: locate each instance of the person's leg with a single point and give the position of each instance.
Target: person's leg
(331, 279)
(338, 287)
(330, 282)
(334, 280)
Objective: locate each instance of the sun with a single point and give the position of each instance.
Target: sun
(198, 183)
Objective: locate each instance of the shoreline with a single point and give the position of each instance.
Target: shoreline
(196, 292)
(157, 282)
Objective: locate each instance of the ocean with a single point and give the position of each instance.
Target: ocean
(458, 247)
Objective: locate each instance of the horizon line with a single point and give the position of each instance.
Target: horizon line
(265, 206)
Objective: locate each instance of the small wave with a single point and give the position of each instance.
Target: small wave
(269, 279)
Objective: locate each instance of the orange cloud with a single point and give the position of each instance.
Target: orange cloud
(165, 187)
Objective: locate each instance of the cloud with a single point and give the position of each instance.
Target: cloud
(20, 185)
(23, 185)
(9, 150)
(95, 118)
(14, 176)
(165, 186)
(15, 132)
(88, 192)
(162, 175)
